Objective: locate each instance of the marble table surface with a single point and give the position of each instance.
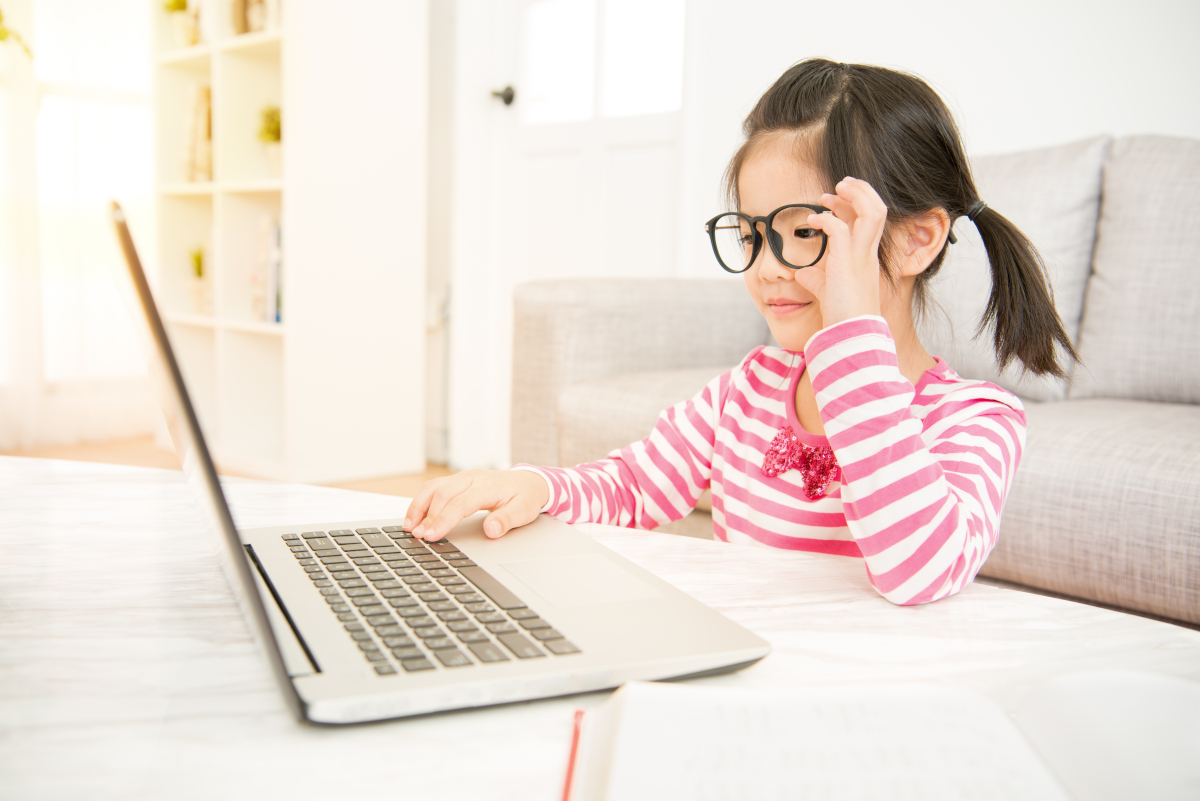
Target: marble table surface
(127, 672)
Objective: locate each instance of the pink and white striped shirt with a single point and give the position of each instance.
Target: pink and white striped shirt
(924, 470)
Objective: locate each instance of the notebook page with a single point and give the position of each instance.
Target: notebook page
(887, 743)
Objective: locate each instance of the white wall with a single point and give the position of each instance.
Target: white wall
(1017, 74)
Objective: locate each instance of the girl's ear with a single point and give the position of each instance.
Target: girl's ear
(921, 240)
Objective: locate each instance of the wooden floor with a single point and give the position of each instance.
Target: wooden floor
(142, 452)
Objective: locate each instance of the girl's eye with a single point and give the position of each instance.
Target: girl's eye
(806, 233)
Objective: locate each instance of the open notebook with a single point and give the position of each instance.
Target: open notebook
(1092, 736)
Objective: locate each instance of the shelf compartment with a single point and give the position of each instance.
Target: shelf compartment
(247, 81)
(242, 253)
(186, 223)
(251, 397)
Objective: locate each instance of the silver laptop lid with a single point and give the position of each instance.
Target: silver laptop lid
(198, 466)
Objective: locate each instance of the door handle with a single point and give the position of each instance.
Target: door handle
(507, 94)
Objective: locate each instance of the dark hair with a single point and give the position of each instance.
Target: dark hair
(892, 130)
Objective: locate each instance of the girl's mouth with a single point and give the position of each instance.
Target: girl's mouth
(781, 308)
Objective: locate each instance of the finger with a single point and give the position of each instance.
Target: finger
(432, 497)
(419, 507)
(866, 209)
(516, 512)
(831, 224)
(462, 505)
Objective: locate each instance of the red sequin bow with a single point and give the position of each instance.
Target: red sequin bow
(818, 466)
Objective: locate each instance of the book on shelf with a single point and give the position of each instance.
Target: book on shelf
(197, 150)
(1090, 736)
(266, 280)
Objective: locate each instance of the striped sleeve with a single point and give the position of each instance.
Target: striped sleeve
(650, 482)
(922, 498)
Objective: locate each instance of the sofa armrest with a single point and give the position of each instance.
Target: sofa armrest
(566, 331)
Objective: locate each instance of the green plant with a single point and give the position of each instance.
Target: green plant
(269, 130)
(173, 6)
(198, 262)
(7, 33)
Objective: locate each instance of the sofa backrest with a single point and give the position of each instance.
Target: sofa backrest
(1053, 196)
(1141, 330)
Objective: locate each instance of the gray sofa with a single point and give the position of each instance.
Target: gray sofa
(1106, 502)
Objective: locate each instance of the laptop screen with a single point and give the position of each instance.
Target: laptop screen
(197, 463)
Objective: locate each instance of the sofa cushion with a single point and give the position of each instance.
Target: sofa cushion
(597, 417)
(1141, 335)
(1053, 196)
(1106, 506)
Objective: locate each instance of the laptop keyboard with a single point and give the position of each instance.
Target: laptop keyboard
(416, 606)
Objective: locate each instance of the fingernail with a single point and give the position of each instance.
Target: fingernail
(404, 524)
(418, 531)
(492, 528)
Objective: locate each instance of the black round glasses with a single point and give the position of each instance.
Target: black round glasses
(736, 240)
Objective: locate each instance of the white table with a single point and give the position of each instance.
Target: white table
(127, 672)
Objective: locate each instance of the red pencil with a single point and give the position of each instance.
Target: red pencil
(579, 713)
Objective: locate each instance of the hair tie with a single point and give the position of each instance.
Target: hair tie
(975, 210)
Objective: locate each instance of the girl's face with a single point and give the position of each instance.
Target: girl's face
(772, 176)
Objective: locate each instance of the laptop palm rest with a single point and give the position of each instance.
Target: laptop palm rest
(582, 580)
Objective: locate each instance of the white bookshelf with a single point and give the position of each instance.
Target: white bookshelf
(334, 390)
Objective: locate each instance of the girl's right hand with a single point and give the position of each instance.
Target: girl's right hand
(515, 498)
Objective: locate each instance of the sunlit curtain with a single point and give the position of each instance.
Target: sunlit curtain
(76, 131)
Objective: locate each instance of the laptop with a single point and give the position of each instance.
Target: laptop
(362, 622)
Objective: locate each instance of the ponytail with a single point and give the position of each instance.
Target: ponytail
(1020, 309)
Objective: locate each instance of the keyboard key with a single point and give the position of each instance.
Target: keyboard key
(390, 630)
(346, 617)
(561, 647)
(351, 540)
(364, 560)
(500, 628)
(316, 575)
(354, 627)
(397, 641)
(422, 588)
(407, 653)
(390, 529)
(397, 559)
(451, 614)
(424, 557)
(420, 621)
(362, 596)
(546, 634)
(486, 652)
(521, 614)
(313, 568)
(417, 664)
(366, 530)
(353, 582)
(368, 645)
(462, 590)
(533, 623)
(323, 583)
(332, 598)
(473, 636)
(393, 592)
(442, 546)
(333, 560)
(355, 549)
(455, 658)
(439, 643)
(491, 617)
(330, 591)
(413, 546)
(308, 535)
(307, 562)
(342, 575)
(411, 611)
(467, 597)
(383, 581)
(450, 582)
(371, 609)
(478, 607)
(388, 550)
(461, 625)
(461, 563)
(320, 543)
(493, 589)
(429, 597)
(360, 591)
(521, 647)
(375, 656)
(327, 552)
(291, 536)
(441, 572)
(341, 532)
(340, 607)
(376, 539)
(375, 568)
(379, 621)
(298, 549)
(416, 577)
(403, 602)
(428, 632)
(361, 636)
(385, 670)
(443, 606)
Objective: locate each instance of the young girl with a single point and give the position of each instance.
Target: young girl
(849, 439)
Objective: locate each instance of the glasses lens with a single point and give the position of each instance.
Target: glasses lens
(798, 242)
(735, 242)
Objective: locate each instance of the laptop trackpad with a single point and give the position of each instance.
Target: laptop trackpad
(583, 580)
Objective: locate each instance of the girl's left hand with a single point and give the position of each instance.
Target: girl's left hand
(846, 281)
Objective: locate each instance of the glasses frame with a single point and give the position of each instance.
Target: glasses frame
(768, 221)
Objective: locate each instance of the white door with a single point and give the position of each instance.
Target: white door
(578, 177)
